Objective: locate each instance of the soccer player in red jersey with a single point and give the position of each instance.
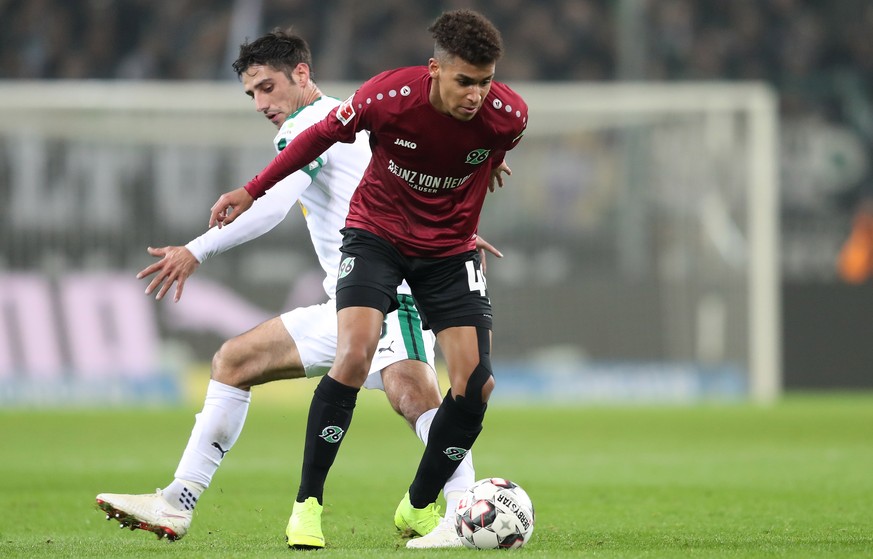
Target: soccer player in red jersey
(439, 134)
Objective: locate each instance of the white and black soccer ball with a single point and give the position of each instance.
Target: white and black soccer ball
(494, 513)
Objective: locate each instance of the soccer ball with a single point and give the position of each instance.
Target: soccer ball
(494, 513)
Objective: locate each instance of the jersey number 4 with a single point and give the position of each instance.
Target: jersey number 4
(475, 279)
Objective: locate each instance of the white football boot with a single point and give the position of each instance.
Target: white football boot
(443, 535)
(149, 512)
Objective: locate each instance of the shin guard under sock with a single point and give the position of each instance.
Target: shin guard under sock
(452, 434)
(330, 415)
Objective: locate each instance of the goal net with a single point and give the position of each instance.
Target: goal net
(639, 227)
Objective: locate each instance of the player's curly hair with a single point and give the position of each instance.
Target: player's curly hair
(467, 35)
(281, 49)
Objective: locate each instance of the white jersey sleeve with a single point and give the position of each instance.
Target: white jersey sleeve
(265, 214)
(262, 217)
(323, 189)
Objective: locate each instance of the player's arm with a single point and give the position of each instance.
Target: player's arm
(498, 163)
(303, 149)
(178, 263)
(264, 215)
(484, 246)
(497, 175)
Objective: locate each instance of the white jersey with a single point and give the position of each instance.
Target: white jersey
(323, 190)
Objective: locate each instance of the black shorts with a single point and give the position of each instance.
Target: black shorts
(448, 291)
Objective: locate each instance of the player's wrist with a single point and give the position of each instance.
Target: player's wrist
(254, 188)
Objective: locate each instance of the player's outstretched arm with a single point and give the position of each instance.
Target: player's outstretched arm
(176, 264)
(229, 206)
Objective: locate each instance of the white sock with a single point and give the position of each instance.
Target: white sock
(452, 499)
(183, 494)
(216, 429)
(463, 477)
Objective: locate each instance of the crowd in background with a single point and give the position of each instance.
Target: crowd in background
(783, 41)
(818, 55)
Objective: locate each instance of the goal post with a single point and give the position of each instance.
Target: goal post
(736, 125)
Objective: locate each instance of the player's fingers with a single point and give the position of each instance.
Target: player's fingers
(229, 217)
(163, 291)
(215, 218)
(180, 286)
(151, 269)
(157, 251)
(156, 281)
(218, 211)
(147, 271)
(150, 288)
(164, 288)
(485, 245)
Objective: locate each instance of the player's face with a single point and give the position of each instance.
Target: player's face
(459, 88)
(273, 93)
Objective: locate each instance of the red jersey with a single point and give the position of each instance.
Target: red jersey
(424, 188)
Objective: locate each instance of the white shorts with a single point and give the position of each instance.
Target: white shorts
(314, 331)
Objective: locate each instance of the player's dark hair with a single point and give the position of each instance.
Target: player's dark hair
(280, 49)
(467, 35)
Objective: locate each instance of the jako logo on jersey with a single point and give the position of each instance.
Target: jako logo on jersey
(347, 266)
(346, 111)
(332, 434)
(477, 156)
(405, 143)
(455, 453)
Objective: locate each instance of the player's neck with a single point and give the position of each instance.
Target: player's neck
(434, 98)
(310, 94)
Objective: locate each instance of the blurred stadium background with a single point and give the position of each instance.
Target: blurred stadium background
(670, 230)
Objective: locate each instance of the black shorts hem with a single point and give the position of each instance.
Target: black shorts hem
(365, 296)
(481, 320)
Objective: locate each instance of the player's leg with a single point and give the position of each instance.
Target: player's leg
(403, 367)
(330, 415)
(265, 353)
(404, 363)
(458, 421)
(416, 397)
(366, 292)
(411, 389)
(451, 293)
(333, 402)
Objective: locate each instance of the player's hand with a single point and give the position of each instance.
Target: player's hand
(482, 245)
(229, 207)
(497, 177)
(176, 264)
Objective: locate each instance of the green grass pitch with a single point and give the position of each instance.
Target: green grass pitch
(734, 480)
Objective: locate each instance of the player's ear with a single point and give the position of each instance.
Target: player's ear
(433, 67)
(301, 74)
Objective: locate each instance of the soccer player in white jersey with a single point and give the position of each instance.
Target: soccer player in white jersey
(275, 71)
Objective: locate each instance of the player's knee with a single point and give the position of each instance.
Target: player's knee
(480, 383)
(487, 388)
(411, 389)
(413, 404)
(478, 388)
(351, 366)
(228, 365)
